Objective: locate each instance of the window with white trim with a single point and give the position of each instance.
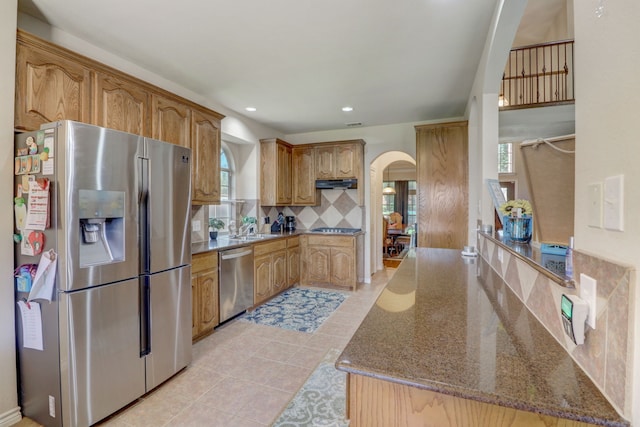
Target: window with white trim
(224, 211)
(505, 157)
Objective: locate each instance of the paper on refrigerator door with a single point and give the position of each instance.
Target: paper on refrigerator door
(38, 205)
(31, 318)
(44, 281)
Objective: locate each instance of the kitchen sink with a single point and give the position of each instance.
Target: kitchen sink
(261, 236)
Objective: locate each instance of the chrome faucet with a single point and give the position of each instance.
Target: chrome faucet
(251, 229)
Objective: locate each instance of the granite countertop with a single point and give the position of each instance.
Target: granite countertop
(223, 242)
(438, 326)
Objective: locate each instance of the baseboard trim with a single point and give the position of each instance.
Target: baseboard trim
(10, 417)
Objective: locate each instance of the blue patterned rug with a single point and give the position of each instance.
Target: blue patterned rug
(321, 401)
(297, 309)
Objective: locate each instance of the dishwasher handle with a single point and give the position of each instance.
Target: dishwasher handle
(236, 255)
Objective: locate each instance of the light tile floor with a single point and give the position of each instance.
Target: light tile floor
(243, 375)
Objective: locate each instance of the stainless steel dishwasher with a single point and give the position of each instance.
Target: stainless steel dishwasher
(236, 281)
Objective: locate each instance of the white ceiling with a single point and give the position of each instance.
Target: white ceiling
(298, 61)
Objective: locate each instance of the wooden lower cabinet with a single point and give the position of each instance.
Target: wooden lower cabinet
(373, 402)
(293, 261)
(329, 260)
(204, 294)
(270, 269)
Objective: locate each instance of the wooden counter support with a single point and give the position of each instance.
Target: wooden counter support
(378, 403)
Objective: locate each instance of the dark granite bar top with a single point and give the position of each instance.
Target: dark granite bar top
(448, 324)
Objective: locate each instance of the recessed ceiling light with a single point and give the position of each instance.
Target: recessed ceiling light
(251, 108)
(347, 109)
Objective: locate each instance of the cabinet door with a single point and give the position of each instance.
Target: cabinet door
(283, 177)
(279, 278)
(209, 315)
(318, 265)
(442, 180)
(262, 278)
(304, 181)
(205, 155)
(293, 266)
(342, 266)
(49, 87)
(347, 161)
(171, 121)
(121, 105)
(325, 162)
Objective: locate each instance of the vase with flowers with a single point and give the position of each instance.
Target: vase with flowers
(518, 220)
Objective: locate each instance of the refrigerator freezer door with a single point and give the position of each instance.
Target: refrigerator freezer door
(169, 205)
(170, 293)
(97, 185)
(102, 370)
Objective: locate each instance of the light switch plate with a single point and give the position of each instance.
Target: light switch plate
(195, 225)
(588, 288)
(594, 204)
(614, 203)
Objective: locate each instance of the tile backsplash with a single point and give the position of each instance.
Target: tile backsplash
(338, 208)
(606, 354)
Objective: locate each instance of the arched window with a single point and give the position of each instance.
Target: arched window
(225, 210)
(225, 176)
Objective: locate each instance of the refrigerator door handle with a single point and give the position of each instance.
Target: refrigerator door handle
(145, 226)
(145, 316)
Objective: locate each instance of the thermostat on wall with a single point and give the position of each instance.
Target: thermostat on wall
(574, 315)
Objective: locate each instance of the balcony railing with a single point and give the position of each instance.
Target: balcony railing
(538, 75)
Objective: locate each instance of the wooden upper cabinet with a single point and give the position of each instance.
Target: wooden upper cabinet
(53, 83)
(121, 105)
(325, 162)
(442, 167)
(275, 172)
(171, 121)
(49, 85)
(349, 158)
(205, 153)
(304, 192)
(340, 160)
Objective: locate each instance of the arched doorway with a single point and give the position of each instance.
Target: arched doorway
(378, 175)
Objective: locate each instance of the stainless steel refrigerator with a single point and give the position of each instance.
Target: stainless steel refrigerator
(119, 323)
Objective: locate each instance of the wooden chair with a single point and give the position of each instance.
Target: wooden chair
(395, 220)
(388, 245)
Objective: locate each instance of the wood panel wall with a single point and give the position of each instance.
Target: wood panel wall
(442, 167)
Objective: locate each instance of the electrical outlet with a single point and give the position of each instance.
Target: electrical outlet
(52, 406)
(196, 225)
(588, 287)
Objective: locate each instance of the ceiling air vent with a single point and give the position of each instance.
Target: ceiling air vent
(352, 124)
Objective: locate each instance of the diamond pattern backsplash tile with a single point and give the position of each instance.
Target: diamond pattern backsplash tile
(605, 354)
(338, 208)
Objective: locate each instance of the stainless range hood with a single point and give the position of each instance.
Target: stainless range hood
(337, 183)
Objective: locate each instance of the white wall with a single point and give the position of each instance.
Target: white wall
(607, 136)
(9, 411)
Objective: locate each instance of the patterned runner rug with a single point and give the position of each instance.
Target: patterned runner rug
(321, 401)
(297, 309)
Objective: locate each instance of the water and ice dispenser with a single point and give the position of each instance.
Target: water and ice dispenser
(101, 216)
